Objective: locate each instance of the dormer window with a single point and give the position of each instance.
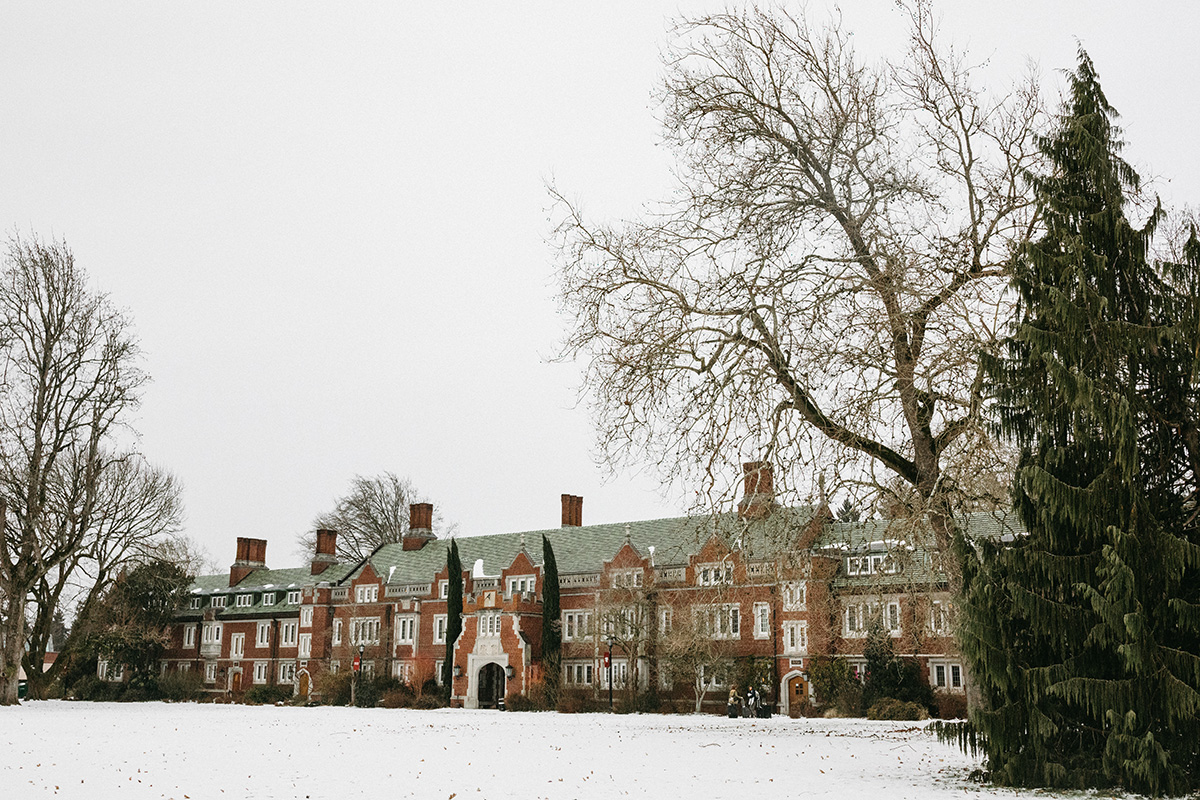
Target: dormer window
(197, 602)
(366, 594)
(245, 600)
(268, 599)
(522, 583)
(219, 601)
(626, 578)
(293, 598)
(714, 574)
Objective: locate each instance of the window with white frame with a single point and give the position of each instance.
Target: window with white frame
(946, 675)
(437, 672)
(620, 674)
(237, 645)
(368, 669)
(522, 583)
(366, 593)
(364, 631)
(443, 589)
(293, 598)
(622, 620)
(714, 574)
(287, 672)
(719, 621)
(402, 671)
(576, 625)
(197, 602)
(795, 637)
(892, 621)
(210, 672)
(334, 666)
(219, 601)
(939, 618)
(858, 617)
(306, 617)
(245, 600)
(488, 624)
(305, 645)
(711, 677)
(337, 632)
(406, 628)
(873, 564)
(795, 596)
(260, 671)
(268, 598)
(185, 667)
(579, 673)
(665, 614)
(211, 633)
(439, 628)
(287, 634)
(762, 620)
(111, 671)
(625, 578)
(189, 636)
(262, 634)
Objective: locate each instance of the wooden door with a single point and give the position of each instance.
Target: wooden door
(304, 684)
(237, 681)
(797, 692)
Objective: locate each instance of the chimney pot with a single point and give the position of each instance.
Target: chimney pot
(572, 511)
(420, 526)
(326, 555)
(251, 555)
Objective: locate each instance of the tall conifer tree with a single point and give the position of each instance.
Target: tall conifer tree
(1084, 635)
(454, 609)
(551, 622)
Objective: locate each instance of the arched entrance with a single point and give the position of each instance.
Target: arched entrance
(796, 692)
(491, 685)
(237, 681)
(304, 684)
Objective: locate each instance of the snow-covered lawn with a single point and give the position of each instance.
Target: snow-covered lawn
(158, 750)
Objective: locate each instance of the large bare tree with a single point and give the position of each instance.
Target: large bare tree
(70, 376)
(818, 290)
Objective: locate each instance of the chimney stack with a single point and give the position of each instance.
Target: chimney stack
(420, 526)
(572, 511)
(251, 555)
(326, 555)
(758, 491)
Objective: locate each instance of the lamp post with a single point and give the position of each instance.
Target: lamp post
(357, 676)
(610, 640)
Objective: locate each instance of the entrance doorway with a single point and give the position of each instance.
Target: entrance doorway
(304, 684)
(237, 682)
(491, 685)
(797, 693)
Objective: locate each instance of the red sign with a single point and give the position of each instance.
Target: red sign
(607, 656)
(357, 663)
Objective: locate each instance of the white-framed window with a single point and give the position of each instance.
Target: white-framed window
(245, 600)
(719, 621)
(795, 596)
(306, 617)
(293, 598)
(439, 628)
(260, 671)
(237, 645)
(185, 667)
(714, 574)
(406, 628)
(892, 621)
(762, 620)
(437, 672)
(196, 602)
(576, 625)
(212, 633)
(364, 631)
(665, 618)
(443, 589)
(334, 666)
(489, 624)
(367, 593)
(268, 598)
(873, 564)
(946, 675)
(287, 634)
(626, 578)
(620, 674)
(210, 672)
(712, 678)
(579, 673)
(858, 617)
(305, 645)
(111, 671)
(939, 618)
(287, 672)
(402, 671)
(337, 631)
(189, 636)
(368, 668)
(219, 601)
(262, 634)
(522, 583)
(795, 637)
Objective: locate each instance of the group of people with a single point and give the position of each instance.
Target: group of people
(748, 705)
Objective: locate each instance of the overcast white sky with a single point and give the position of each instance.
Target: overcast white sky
(328, 221)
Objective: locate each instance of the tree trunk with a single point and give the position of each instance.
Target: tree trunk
(12, 632)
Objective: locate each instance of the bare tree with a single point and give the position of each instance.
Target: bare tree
(374, 512)
(834, 262)
(691, 651)
(70, 369)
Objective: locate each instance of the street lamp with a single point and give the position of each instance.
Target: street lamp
(357, 674)
(610, 640)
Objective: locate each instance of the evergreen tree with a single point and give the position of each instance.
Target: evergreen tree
(1083, 635)
(454, 609)
(551, 622)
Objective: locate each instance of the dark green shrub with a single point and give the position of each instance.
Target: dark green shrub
(269, 695)
(891, 708)
(429, 701)
(334, 688)
(180, 686)
(579, 701)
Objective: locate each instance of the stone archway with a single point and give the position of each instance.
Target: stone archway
(491, 685)
(304, 684)
(794, 692)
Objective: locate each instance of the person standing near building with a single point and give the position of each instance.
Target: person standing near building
(733, 706)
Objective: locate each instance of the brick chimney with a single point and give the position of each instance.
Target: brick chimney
(758, 491)
(572, 511)
(420, 526)
(326, 555)
(251, 555)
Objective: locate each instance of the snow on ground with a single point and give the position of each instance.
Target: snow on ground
(159, 750)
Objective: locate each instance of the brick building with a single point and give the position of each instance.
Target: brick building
(774, 584)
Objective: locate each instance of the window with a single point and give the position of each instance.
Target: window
(306, 616)
(185, 667)
(402, 671)
(219, 601)
(955, 676)
(579, 673)
(260, 671)
(620, 674)
(189, 636)
(946, 676)
(626, 578)
(368, 669)
(939, 618)
(443, 589)
(576, 625)
(858, 618)
(364, 631)
(337, 631)
(439, 628)
(305, 645)
(437, 672)
(795, 638)
(287, 634)
(262, 636)
(197, 602)
(762, 620)
(210, 672)
(111, 671)
(237, 645)
(489, 624)
(522, 583)
(287, 673)
(212, 633)
(795, 596)
(268, 599)
(334, 666)
(406, 629)
(664, 620)
(719, 622)
(245, 600)
(293, 598)
(713, 574)
(893, 617)
(881, 563)
(939, 675)
(366, 594)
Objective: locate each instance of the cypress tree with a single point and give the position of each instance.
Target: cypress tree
(454, 610)
(1084, 635)
(551, 623)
